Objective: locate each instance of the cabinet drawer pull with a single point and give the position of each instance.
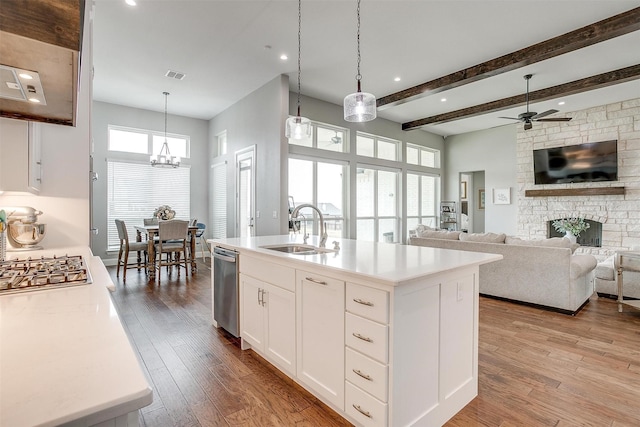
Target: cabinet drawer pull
(319, 282)
(359, 301)
(365, 376)
(357, 335)
(362, 411)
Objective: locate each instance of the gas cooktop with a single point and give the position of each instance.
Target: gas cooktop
(33, 274)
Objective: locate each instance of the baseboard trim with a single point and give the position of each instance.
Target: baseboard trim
(540, 306)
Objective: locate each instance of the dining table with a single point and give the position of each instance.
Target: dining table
(151, 231)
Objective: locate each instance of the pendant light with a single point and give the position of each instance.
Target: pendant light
(298, 127)
(164, 159)
(359, 106)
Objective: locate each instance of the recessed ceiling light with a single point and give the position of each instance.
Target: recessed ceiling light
(284, 57)
(443, 99)
(561, 103)
(25, 76)
(397, 79)
(130, 2)
(36, 100)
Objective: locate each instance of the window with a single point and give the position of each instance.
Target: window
(222, 143)
(417, 155)
(380, 148)
(219, 201)
(422, 196)
(135, 190)
(377, 209)
(140, 141)
(324, 137)
(320, 184)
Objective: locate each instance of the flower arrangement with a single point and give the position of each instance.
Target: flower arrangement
(573, 225)
(164, 212)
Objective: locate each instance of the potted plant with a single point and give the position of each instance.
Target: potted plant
(572, 227)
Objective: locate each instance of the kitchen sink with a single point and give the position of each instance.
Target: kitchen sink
(298, 249)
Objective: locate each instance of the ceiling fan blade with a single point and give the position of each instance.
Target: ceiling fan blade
(558, 119)
(544, 113)
(510, 118)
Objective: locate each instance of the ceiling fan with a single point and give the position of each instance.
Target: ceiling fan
(531, 116)
(335, 139)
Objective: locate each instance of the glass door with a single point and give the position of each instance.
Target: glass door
(245, 193)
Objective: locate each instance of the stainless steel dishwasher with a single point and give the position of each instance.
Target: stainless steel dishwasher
(226, 292)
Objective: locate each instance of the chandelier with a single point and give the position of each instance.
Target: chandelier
(359, 106)
(164, 159)
(298, 127)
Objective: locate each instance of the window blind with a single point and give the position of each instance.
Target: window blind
(135, 190)
(219, 201)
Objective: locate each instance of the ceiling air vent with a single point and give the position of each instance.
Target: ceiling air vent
(175, 75)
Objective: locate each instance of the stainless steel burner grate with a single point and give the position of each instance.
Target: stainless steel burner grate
(32, 274)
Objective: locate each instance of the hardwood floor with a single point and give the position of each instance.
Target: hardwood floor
(536, 368)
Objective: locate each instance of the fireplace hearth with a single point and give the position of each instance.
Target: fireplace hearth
(592, 236)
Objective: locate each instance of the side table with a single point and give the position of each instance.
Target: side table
(626, 261)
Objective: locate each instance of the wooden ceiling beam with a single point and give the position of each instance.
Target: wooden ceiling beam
(578, 86)
(600, 31)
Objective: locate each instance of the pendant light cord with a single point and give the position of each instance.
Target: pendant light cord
(358, 76)
(299, 43)
(166, 94)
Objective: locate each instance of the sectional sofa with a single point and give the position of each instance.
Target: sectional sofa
(545, 273)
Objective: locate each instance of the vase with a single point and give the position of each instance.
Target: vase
(571, 237)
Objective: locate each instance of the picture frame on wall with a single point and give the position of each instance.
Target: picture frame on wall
(481, 200)
(502, 196)
(463, 190)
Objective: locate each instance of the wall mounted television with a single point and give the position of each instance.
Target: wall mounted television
(589, 162)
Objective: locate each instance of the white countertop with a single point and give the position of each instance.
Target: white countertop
(390, 263)
(64, 355)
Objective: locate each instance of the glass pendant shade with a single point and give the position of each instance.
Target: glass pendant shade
(297, 128)
(359, 107)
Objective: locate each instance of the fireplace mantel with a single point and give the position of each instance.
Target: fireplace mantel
(597, 191)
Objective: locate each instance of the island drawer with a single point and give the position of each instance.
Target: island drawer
(364, 408)
(367, 337)
(366, 373)
(368, 302)
(279, 275)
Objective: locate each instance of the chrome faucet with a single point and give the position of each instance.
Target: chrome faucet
(323, 226)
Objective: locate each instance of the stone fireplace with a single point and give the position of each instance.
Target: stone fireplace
(592, 236)
(618, 212)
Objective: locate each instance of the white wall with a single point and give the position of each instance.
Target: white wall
(258, 119)
(105, 114)
(64, 198)
(494, 152)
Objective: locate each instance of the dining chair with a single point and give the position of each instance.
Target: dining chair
(172, 242)
(199, 237)
(125, 247)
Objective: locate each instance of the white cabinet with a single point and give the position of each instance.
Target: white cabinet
(367, 350)
(268, 311)
(380, 354)
(20, 156)
(320, 337)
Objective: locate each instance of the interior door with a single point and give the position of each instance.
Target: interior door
(245, 192)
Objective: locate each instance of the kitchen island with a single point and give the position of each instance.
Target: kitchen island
(385, 334)
(64, 356)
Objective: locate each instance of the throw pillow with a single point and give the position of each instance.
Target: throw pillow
(483, 237)
(421, 228)
(441, 234)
